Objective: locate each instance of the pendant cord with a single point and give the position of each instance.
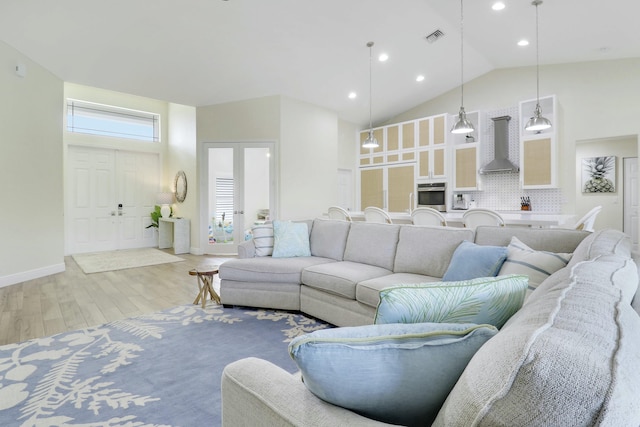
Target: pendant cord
(370, 44)
(537, 58)
(461, 53)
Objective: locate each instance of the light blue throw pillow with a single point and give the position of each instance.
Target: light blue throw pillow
(399, 374)
(470, 261)
(491, 300)
(290, 239)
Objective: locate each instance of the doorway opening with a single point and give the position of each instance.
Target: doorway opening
(238, 191)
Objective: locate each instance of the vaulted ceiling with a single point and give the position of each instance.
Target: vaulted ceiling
(204, 52)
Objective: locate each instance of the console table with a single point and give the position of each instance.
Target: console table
(174, 233)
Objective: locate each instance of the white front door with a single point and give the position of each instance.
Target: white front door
(630, 207)
(109, 197)
(237, 191)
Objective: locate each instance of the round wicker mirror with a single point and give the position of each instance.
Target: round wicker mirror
(180, 184)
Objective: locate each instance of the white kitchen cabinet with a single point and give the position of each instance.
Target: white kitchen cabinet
(432, 148)
(388, 187)
(466, 155)
(538, 150)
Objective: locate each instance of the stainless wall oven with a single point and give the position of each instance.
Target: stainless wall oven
(432, 195)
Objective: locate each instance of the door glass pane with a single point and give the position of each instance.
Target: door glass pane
(221, 196)
(256, 186)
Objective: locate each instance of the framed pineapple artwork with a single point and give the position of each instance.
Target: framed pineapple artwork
(599, 174)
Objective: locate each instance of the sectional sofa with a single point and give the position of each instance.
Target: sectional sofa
(351, 262)
(569, 356)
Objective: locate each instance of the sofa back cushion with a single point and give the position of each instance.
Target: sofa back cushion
(539, 239)
(428, 250)
(329, 238)
(603, 242)
(568, 357)
(373, 244)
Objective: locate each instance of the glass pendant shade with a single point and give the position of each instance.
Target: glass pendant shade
(370, 142)
(462, 124)
(537, 122)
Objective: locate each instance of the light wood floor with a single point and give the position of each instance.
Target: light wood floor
(73, 300)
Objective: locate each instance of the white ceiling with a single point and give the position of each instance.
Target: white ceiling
(204, 52)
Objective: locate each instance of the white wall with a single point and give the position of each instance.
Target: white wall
(597, 100)
(306, 139)
(308, 160)
(31, 215)
(612, 204)
(182, 154)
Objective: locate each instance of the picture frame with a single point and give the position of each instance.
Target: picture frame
(599, 174)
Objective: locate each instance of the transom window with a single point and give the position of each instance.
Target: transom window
(108, 120)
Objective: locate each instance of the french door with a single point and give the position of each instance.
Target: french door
(109, 197)
(237, 191)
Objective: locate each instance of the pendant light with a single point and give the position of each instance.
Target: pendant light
(370, 142)
(538, 122)
(462, 124)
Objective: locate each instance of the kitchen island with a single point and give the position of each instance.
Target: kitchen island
(511, 218)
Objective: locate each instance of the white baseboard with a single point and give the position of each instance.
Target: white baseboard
(12, 279)
(196, 251)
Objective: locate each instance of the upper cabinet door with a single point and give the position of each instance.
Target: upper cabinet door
(432, 149)
(538, 150)
(466, 155)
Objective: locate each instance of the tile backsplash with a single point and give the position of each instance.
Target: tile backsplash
(501, 191)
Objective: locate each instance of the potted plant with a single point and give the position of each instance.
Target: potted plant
(155, 217)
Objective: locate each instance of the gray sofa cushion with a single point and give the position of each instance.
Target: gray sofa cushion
(373, 244)
(268, 269)
(428, 250)
(539, 239)
(340, 278)
(368, 291)
(568, 357)
(329, 237)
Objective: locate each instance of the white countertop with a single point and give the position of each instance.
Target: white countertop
(522, 218)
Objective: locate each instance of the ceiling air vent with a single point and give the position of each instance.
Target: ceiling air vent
(435, 36)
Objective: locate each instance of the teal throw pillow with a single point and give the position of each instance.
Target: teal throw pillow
(470, 261)
(491, 300)
(397, 373)
(290, 239)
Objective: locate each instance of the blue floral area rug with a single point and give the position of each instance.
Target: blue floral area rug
(162, 369)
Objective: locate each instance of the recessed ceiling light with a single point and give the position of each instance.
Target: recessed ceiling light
(523, 42)
(353, 95)
(383, 57)
(420, 78)
(498, 5)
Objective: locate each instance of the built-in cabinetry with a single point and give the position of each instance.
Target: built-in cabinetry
(388, 173)
(414, 151)
(432, 148)
(538, 150)
(466, 155)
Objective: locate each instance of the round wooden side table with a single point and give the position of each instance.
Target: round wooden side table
(205, 273)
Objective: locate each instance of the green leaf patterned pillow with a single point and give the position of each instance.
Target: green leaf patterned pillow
(490, 300)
